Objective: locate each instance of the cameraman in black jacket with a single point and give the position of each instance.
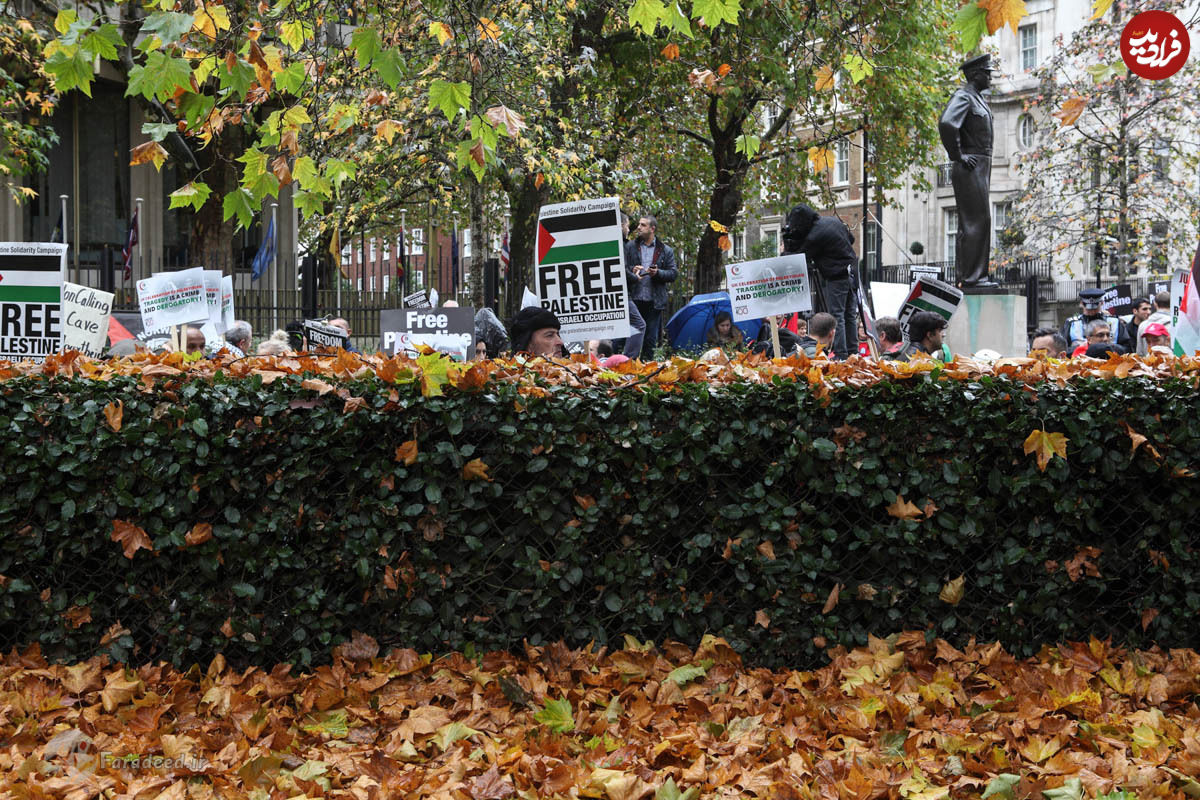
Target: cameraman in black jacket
(828, 247)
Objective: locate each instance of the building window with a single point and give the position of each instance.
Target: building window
(769, 238)
(1162, 157)
(841, 164)
(950, 228)
(739, 245)
(1028, 35)
(871, 243)
(466, 242)
(371, 258)
(1025, 131)
(415, 241)
(1001, 214)
(771, 112)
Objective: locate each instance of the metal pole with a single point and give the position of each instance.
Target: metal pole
(141, 263)
(455, 257)
(74, 180)
(275, 266)
(63, 199)
(403, 250)
(337, 259)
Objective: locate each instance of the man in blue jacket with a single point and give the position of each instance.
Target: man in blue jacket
(828, 247)
(650, 264)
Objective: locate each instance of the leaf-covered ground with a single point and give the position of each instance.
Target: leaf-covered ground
(900, 719)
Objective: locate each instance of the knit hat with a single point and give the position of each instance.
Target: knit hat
(528, 320)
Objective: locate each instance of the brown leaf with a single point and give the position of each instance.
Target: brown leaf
(282, 171)
(227, 628)
(131, 537)
(1148, 616)
(361, 647)
(832, 600)
(491, 786)
(502, 116)
(670, 52)
(407, 452)
(953, 591)
(1082, 564)
(1046, 446)
(200, 533)
(114, 632)
(353, 404)
(723, 70)
(766, 549)
(1071, 110)
(475, 469)
(539, 180)
(724, 242)
(147, 152)
(113, 412)
(902, 509)
(761, 618)
(585, 501)
(431, 528)
(81, 678)
(77, 616)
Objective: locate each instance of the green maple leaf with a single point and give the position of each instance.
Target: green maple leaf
(238, 203)
(238, 79)
(389, 65)
(669, 791)
(677, 21)
(748, 144)
(366, 44)
(293, 33)
(71, 69)
(304, 171)
(103, 42)
(337, 171)
(557, 715)
(971, 24)
(449, 97)
(714, 12)
(194, 194)
(1002, 786)
(195, 108)
(158, 130)
(1071, 790)
(858, 67)
(646, 14)
(169, 26)
(451, 733)
(308, 203)
(160, 77)
(66, 17)
(291, 79)
(690, 672)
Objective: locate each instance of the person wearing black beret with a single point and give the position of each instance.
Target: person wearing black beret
(534, 330)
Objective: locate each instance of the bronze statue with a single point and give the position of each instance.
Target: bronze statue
(966, 131)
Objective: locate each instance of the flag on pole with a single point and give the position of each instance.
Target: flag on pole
(505, 257)
(335, 250)
(127, 251)
(401, 257)
(265, 254)
(57, 235)
(1185, 302)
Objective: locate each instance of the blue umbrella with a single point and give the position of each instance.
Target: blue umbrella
(688, 328)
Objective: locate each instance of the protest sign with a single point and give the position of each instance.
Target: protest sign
(227, 310)
(31, 277)
(321, 334)
(418, 299)
(1118, 299)
(580, 274)
(447, 330)
(172, 298)
(768, 286)
(928, 294)
(924, 270)
(212, 297)
(1185, 309)
(85, 313)
(128, 325)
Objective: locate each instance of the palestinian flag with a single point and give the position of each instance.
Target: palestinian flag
(1185, 300)
(30, 278)
(935, 296)
(584, 236)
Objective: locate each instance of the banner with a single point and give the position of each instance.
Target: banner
(212, 297)
(447, 330)
(924, 270)
(1118, 300)
(320, 334)
(31, 278)
(128, 325)
(172, 298)
(227, 310)
(777, 285)
(580, 273)
(928, 294)
(1185, 309)
(85, 313)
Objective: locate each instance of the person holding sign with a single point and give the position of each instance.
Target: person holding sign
(828, 245)
(650, 266)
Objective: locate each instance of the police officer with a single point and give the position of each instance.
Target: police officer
(1074, 329)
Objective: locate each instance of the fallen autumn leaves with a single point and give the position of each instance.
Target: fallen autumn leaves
(900, 719)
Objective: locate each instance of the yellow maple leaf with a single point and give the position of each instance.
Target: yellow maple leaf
(488, 30)
(148, 151)
(1070, 112)
(209, 19)
(1003, 12)
(718, 227)
(28, 191)
(952, 592)
(824, 79)
(902, 509)
(475, 469)
(1045, 445)
(1101, 8)
(440, 31)
(821, 158)
(388, 130)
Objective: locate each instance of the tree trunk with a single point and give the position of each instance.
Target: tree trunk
(725, 204)
(211, 243)
(525, 204)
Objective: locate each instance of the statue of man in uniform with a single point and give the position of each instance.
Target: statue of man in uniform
(966, 131)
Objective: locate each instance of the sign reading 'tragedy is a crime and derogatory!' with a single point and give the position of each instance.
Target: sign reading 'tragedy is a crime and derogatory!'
(31, 278)
(172, 298)
(580, 273)
(778, 285)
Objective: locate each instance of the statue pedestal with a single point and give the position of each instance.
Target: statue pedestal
(986, 320)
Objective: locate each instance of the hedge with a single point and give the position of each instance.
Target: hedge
(262, 511)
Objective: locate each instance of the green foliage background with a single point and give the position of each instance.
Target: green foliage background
(689, 486)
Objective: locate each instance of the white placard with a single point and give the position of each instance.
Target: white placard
(31, 277)
(85, 314)
(580, 272)
(227, 309)
(172, 298)
(778, 285)
(212, 297)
